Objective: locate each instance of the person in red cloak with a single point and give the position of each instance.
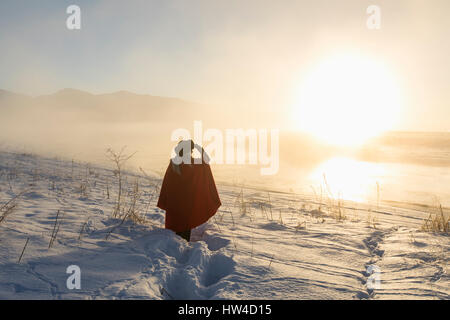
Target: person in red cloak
(188, 192)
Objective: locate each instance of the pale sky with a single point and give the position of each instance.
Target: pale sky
(243, 55)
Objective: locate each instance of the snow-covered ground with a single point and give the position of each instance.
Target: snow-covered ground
(260, 245)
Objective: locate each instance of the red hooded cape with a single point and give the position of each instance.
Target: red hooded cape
(189, 198)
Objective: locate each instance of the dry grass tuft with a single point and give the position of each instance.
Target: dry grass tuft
(437, 222)
(55, 231)
(119, 159)
(372, 219)
(8, 207)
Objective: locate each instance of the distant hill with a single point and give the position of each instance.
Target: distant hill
(76, 105)
(8, 95)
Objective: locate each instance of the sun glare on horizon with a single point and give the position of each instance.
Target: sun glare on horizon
(347, 99)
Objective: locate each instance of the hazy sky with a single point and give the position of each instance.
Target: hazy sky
(249, 55)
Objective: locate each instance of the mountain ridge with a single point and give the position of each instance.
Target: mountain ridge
(74, 105)
(73, 91)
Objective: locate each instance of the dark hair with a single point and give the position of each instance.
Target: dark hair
(180, 153)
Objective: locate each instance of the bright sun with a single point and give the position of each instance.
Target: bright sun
(347, 99)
